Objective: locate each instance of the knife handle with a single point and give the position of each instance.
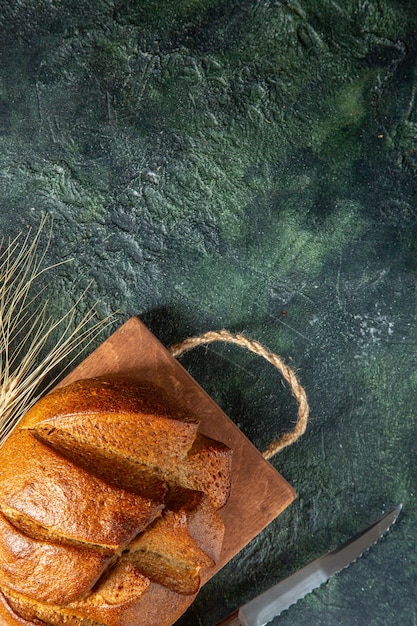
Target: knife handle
(231, 620)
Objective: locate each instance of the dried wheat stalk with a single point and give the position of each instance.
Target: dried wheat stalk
(32, 343)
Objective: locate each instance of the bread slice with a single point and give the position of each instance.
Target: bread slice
(167, 554)
(39, 489)
(206, 468)
(203, 520)
(122, 441)
(123, 449)
(119, 411)
(133, 447)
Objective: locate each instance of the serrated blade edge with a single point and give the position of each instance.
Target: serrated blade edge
(262, 609)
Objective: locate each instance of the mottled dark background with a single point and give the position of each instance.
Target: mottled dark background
(248, 165)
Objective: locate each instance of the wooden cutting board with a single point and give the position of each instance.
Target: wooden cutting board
(259, 493)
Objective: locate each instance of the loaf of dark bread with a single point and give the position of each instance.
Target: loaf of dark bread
(109, 508)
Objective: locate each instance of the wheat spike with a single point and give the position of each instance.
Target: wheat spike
(32, 343)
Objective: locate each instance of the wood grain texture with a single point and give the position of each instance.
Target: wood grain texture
(259, 493)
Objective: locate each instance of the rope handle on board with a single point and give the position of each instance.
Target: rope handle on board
(287, 373)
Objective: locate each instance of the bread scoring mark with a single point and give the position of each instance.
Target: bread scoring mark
(106, 464)
(25, 563)
(23, 609)
(192, 465)
(32, 529)
(55, 493)
(12, 611)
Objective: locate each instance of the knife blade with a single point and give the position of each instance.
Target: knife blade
(262, 609)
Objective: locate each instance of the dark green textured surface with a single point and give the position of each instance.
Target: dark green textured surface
(248, 165)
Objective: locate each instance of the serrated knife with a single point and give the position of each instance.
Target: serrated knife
(262, 609)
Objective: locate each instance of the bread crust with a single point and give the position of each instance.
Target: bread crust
(42, 486)
(109, 508)
(47, 571)
(8, 617)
